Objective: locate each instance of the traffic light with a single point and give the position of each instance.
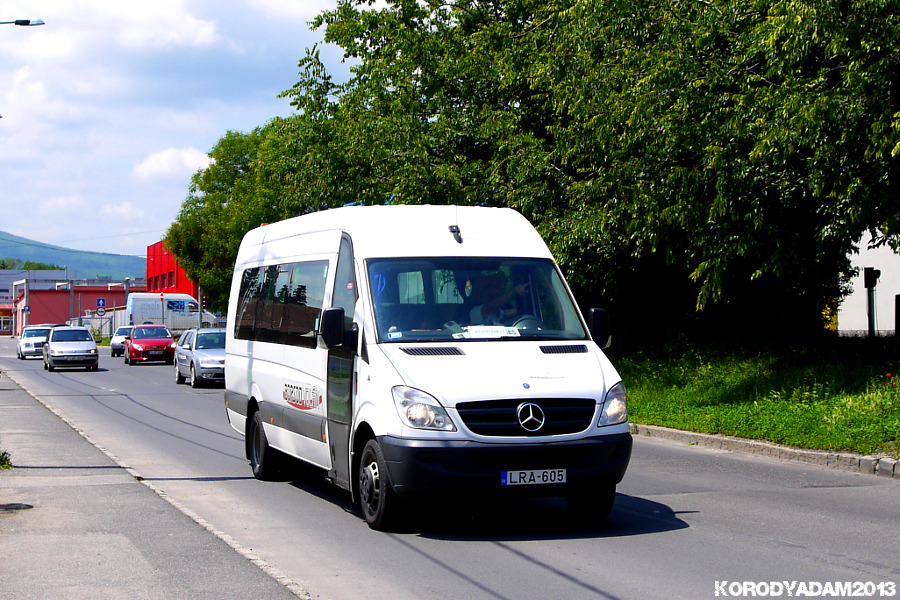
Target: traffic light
(204, 301)
(870, 276)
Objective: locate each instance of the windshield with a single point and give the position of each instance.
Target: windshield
(149, 333)
(211, 341)
(463, 298)
(122, 331)
(72, 335)
(28, 333)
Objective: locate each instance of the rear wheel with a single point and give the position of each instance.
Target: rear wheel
(263, 458)
(377, 499)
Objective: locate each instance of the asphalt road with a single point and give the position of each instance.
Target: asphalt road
(686, 519)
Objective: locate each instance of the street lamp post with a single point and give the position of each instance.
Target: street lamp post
(24, 22)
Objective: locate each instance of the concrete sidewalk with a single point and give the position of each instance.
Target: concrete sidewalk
(75, 525)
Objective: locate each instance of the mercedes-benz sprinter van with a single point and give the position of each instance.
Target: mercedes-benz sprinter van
(422, 350)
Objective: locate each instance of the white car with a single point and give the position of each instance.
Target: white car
(117, 341)
(70, 347)
(31, 342)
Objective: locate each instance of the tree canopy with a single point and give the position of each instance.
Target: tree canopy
(727, 154)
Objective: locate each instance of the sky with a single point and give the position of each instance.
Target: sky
(110, 107)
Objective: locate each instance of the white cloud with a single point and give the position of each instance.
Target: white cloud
(125, 211)
(171, 162)
(301, 10)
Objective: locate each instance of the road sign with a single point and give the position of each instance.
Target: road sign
(27, 309)
(101, 311)
(101, 302)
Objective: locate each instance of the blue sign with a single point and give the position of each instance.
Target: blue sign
(101, 302)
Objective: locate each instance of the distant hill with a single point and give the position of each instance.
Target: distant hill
(86, 265)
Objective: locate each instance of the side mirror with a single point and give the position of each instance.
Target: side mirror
(332, 327)
(598, 323)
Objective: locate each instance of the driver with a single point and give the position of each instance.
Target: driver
(488, 291)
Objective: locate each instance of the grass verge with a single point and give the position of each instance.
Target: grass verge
(835, 394)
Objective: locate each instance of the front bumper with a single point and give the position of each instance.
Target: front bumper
(217, 374)
(73, 360)
(32, 350)
(426, 467)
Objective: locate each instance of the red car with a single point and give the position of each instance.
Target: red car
(149, 342)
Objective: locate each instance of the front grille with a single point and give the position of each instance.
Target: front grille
(498, 418)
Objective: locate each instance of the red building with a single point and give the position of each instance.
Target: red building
(164, 274)
(58, 306)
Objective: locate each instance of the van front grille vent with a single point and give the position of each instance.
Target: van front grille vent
(577, 349)
(502, 418)
(440, 351)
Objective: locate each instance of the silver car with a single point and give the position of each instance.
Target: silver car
(117, 341)
(70, 347)
(200, 356)
(31, 342)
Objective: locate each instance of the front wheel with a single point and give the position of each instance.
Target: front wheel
(263, 458)
(194, 381)
(377, 499)
(179, 378)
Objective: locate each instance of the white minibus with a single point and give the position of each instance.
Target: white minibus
(422, 350)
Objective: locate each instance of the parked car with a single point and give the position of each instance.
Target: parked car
(31, 342)
(70, 347)
(149, 342)
(117, 341)
(200, 356)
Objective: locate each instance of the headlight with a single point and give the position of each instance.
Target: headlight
(615, 407)
(92, 351)
(137, 347)
(173, 345)
(420, 410)
(210, 363)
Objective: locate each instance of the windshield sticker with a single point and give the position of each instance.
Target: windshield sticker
(395, 335)
(487, 331)
(302, 397)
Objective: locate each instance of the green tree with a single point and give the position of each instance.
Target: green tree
(730, 154)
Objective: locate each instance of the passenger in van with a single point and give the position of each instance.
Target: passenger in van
(492, 308)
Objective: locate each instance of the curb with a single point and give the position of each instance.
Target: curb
(844, 461)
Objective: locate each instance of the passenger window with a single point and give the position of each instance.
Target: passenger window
(303, 303)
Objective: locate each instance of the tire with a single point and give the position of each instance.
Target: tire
(126, 359)
(594, 503)
(179, 378)
(50, 367)
(379, 503)
(263, 458)
(45, 365)
(195, 383)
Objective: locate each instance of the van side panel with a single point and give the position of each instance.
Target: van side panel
(283, 375)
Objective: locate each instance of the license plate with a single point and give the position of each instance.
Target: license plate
(533, 477)
(155, 352)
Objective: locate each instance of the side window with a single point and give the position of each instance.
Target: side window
(266, 330)
(303, 302)
(245, 318)
(345, 283)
